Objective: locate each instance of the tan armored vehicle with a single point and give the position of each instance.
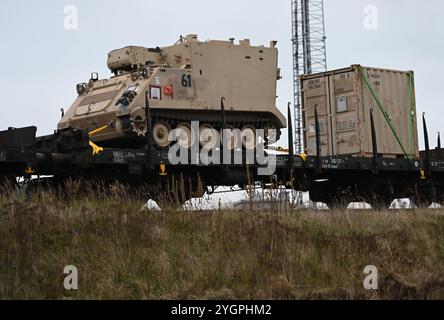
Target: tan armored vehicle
(185, 82)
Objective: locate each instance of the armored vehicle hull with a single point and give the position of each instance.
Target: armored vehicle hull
(184, 83)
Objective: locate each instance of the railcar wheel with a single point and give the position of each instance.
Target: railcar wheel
(425, 195)
(336, 204)
(380, 203)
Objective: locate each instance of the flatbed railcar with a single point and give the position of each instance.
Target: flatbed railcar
(335, 181)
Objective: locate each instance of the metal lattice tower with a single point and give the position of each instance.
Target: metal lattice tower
(309, 52)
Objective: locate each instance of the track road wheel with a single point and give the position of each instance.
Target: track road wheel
(186, 135)
(161, 131)
(249, 138)
(230, 138)
(271, 133)
(208, 137)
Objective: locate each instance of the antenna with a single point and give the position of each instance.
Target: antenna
(309, 52)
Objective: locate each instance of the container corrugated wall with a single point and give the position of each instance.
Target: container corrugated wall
(344, 101)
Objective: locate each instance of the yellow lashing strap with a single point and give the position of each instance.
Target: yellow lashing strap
(92, 133)
(281, 149)
(96, 149)
(303, 156)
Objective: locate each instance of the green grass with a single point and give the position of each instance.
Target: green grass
(122, 252)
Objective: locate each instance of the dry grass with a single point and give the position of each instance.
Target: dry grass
(122, 252)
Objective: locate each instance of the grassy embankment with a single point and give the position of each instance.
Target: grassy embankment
(122, 252)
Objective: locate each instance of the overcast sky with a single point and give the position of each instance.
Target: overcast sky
(41, 61)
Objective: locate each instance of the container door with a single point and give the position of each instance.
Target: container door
(345, 114)
(394, 91)
(315, 95)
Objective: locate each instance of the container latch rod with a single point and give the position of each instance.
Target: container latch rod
(223, 120)
(149, 131)
(318, 142)
(374, 144)
(290, 144)
(427, 166)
